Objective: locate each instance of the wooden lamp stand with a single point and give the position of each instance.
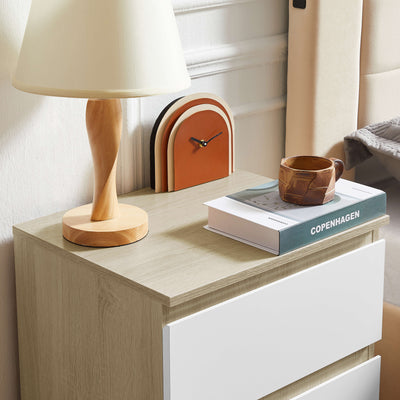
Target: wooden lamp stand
(105, 222)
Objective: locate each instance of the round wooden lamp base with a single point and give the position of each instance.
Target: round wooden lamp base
(129, 227)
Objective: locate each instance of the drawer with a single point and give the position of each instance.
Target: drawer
(256, 343)
(359, 383)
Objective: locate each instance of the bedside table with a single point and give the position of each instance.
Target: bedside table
(186, 314)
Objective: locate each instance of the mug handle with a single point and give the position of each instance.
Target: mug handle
(339, 167)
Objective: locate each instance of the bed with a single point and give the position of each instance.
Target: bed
(344, 76)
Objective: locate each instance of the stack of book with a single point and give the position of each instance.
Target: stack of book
(259, 217)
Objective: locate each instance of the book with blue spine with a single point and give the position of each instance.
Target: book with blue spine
(259, 217)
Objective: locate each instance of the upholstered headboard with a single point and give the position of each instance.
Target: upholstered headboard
(343, 71)
(380, 62)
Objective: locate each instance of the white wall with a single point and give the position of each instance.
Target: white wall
(238, 50)
(234, 48)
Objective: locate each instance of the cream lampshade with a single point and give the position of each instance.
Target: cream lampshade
(102, 50)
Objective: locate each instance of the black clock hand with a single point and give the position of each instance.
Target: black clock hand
(203, 143)
(209, 140)
(200, 142)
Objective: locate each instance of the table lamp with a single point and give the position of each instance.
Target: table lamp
(102, 50)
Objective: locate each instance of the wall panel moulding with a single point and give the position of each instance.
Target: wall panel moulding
(188, 6)
(237, 56)
(248, 110)
(130, 174)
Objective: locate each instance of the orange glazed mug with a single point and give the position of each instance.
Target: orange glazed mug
(309, 180)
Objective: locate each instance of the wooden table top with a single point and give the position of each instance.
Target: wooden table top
(179, 260)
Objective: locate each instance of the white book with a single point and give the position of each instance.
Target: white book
(259, 217)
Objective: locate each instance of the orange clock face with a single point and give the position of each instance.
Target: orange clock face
(170, 125)
(188, 143)
(162, 151)
(199, 148)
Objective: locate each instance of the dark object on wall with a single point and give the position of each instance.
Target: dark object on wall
(299, 4)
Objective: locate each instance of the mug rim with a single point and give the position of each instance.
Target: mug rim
(306, 170)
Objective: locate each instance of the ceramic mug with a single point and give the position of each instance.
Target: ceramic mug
(309, 180)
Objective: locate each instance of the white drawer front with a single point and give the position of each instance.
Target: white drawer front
(359, 383)
(256, 343)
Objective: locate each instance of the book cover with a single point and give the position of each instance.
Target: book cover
(259, 217)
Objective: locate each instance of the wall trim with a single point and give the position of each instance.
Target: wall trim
(130, 157)
(189, 6)
(236, 56)
(247, 110)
